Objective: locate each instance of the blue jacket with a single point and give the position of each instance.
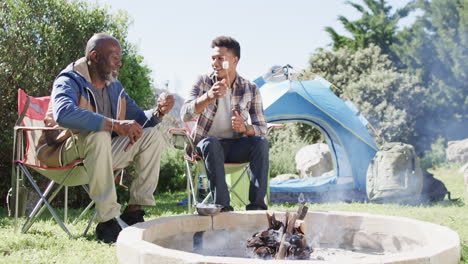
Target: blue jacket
(73, 106)
(73, 103)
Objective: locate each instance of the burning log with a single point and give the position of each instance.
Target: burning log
(283, 239)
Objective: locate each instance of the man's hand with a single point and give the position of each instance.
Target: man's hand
(165, 103)
(129, 128)
(238, 124)
(218, 90)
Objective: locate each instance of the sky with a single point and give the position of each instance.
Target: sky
(174, 36)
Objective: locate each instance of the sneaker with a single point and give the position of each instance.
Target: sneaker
(227, 208)
(108, 231)
(256, 207)
(133, 217)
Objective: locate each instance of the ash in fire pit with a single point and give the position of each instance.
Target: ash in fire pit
(283, 239)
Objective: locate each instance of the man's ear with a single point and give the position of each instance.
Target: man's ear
(93, 56)
(236, 60)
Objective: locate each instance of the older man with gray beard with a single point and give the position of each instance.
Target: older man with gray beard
(109, 130)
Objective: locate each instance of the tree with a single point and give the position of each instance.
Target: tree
(38, 39)
(134, 76)
(390, 100)
(377, 25)
(435, 49)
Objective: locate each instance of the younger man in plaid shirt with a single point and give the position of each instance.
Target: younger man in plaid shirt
(230, 124)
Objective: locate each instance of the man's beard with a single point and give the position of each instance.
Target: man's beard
(110, 77)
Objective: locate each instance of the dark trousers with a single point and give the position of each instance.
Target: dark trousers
(216, 152)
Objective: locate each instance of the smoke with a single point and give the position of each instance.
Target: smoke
(328, 196)
(222, 243)
(435, 49)
(333, 238)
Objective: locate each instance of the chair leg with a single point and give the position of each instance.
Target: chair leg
(33, 218)
(51, 209)
(16, 198)
(83, 212)
(86, 188)
(34, 213)
(190, 187)
(89, 223)
(65, 205)
(187, 174)
(16, 154)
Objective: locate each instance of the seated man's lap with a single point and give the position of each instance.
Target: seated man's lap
(237, 150)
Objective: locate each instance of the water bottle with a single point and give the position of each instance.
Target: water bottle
(202, 187)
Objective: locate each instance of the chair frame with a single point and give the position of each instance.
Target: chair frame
(20, 172)
(183, 134)
(181, 140)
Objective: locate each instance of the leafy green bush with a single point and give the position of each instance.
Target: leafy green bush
(40, 38)
(172, 174)
(436, 156)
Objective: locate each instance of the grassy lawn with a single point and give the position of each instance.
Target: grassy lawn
(47, 243)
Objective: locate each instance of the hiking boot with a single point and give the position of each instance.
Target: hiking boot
(108, 231)
(133, 217)
(227, 208)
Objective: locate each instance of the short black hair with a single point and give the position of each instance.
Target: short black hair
(227, 42)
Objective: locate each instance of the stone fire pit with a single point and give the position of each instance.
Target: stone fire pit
(337, 237)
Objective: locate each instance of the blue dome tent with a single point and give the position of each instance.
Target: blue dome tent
(352, 148)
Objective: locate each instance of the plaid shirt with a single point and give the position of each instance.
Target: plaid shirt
(245, 100)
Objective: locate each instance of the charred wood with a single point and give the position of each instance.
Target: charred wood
(283, 239)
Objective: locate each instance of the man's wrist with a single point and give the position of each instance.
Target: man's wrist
(157, 113)
(210, 99)
(247, 128)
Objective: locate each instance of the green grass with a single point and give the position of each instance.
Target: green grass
(47, 243)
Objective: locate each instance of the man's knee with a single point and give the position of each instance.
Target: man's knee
(153, 142)
(261, 144)
(153, 132)
(99, 138)
(209, 145)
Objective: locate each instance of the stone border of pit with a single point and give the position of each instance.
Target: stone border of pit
(438, 244)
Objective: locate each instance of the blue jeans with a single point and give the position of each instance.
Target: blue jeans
(216, 152)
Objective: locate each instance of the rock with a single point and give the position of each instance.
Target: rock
(457, 151)
(283, 177)
(314, 160)
(464, 170)
(466, 182)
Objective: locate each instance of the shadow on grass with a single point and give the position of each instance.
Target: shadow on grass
(454, 202)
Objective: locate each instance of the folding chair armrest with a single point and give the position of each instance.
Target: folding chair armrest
(38, 128)
(181, 134)
(271, 126)
(178, 131)
(19, 133)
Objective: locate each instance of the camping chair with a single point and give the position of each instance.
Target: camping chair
(237, 174)
(27, 132)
